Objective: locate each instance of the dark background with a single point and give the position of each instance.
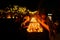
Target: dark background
(50, 4)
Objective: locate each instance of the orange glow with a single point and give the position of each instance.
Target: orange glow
(8, 16)
(34, 26)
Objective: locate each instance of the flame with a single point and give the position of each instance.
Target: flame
(34, 26)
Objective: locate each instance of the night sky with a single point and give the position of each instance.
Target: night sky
(31, 3)
(27, 3)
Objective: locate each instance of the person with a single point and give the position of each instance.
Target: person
(55, 26)
(37, 34)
